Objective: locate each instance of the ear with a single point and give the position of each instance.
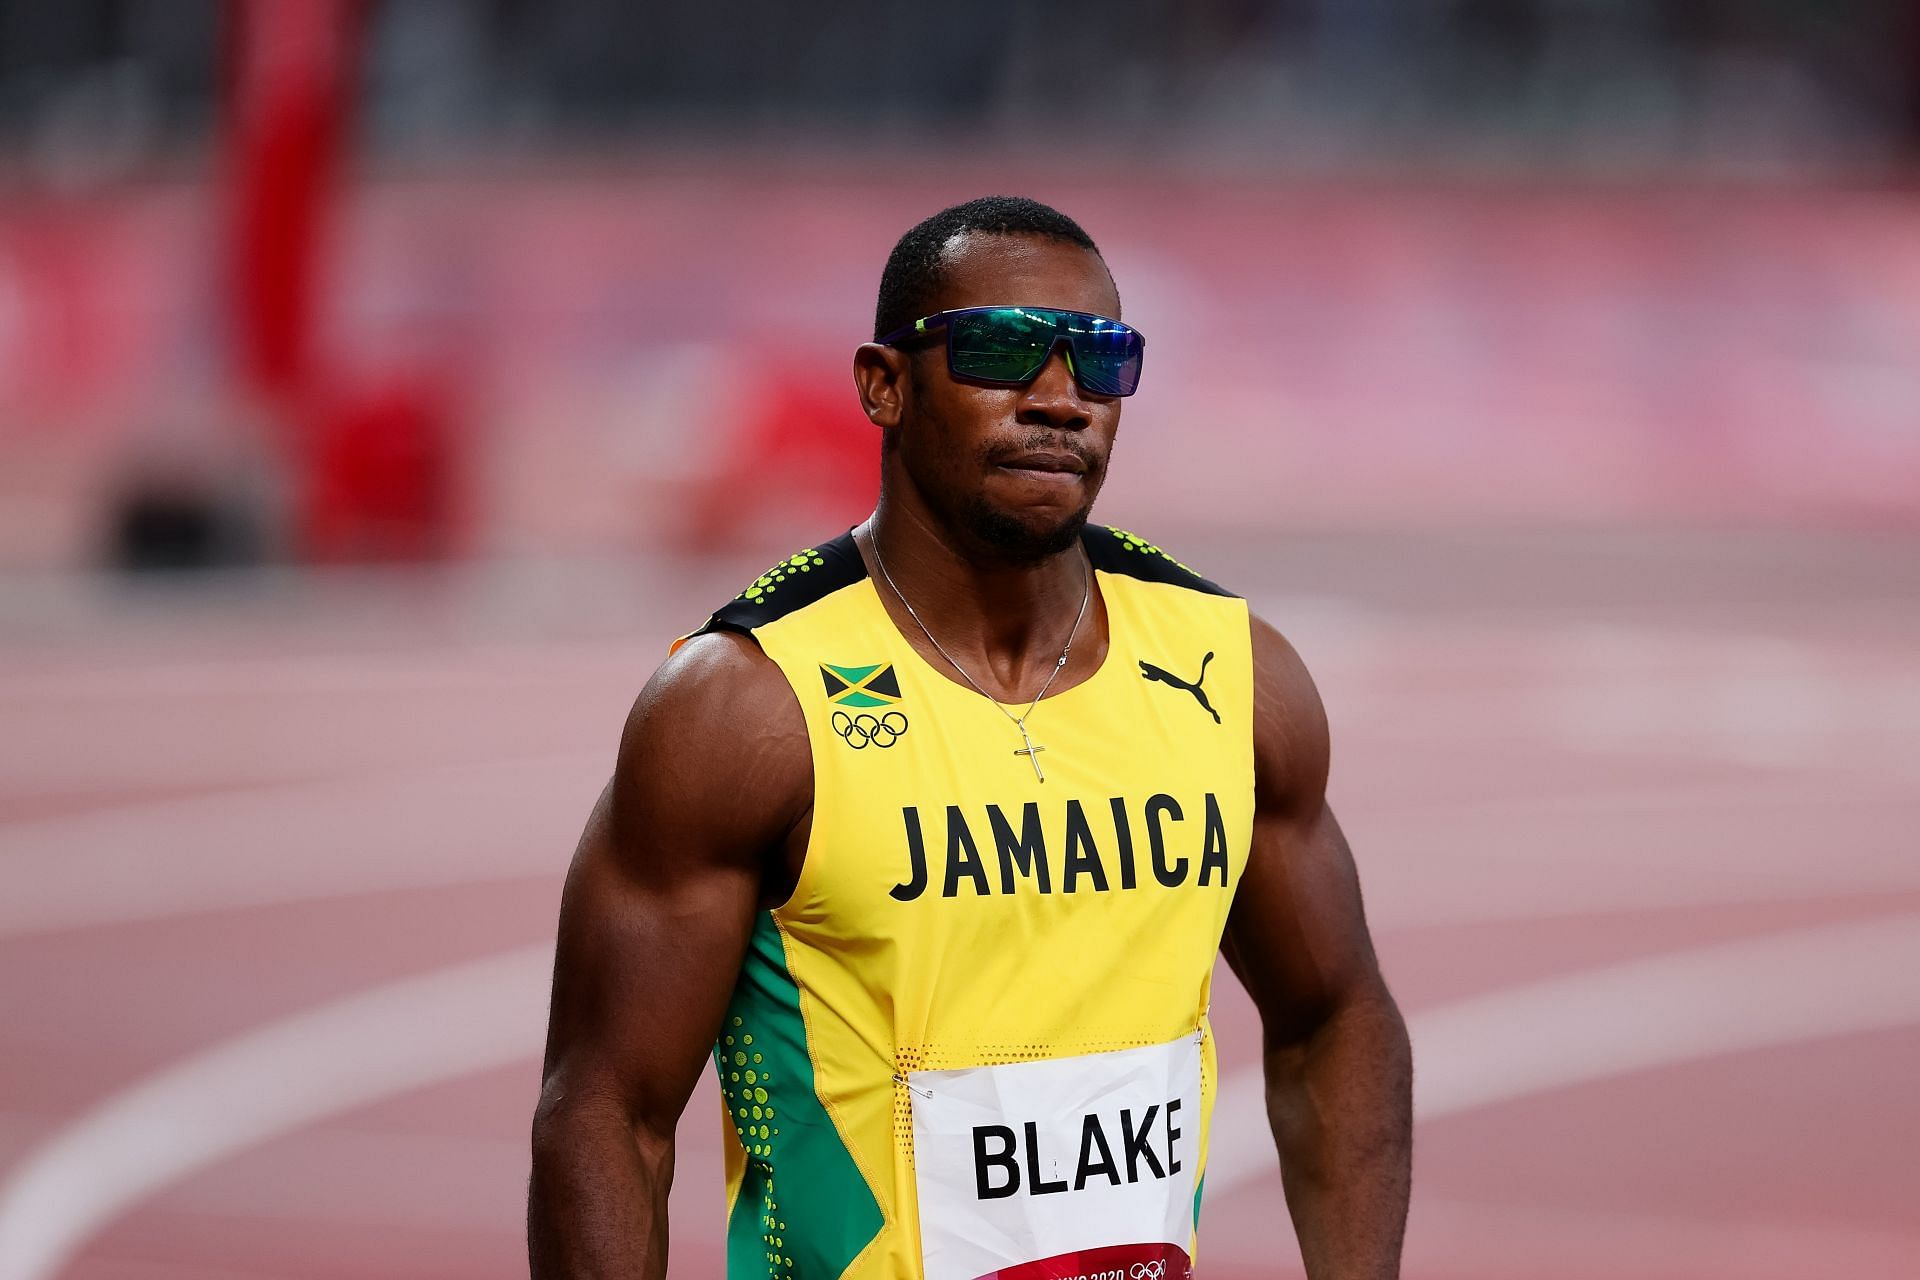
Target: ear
(880, 375)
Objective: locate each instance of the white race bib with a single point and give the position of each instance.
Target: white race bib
(1065, 1169)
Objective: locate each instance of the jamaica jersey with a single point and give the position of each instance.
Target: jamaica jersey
(974, 1041)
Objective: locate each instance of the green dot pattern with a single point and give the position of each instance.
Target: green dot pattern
(751, 1108)
(1134, 542)
(805, 560)
(797, 1168)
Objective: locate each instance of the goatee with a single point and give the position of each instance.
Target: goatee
(1014, 541)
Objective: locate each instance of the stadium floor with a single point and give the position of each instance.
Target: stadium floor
(1635, 813)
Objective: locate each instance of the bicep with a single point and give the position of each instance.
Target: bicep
(660, 898)
(1297, 935)
(643, 967)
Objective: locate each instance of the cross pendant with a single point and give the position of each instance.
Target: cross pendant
(1030, 751)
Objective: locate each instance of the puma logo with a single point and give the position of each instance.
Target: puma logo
(1152, 672)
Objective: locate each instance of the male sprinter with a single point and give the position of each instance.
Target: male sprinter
(929, 840)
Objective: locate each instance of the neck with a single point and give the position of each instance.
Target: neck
(1006, 623)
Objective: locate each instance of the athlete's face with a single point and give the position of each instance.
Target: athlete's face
(1012, 471)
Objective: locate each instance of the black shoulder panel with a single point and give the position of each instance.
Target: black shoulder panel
(810, 574)
(1117, 551)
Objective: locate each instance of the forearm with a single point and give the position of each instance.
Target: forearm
(1341, 1106)
(597, 1202)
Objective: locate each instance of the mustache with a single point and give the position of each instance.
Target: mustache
(1046, 441)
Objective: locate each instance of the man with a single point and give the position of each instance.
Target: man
(930, 838)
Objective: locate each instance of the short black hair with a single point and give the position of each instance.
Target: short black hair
(917, 266)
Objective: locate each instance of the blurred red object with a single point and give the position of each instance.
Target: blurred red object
(376, 467)
(381, 475)
(803, 455)
(291, 86)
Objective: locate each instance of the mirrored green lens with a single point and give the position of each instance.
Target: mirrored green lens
(1106, 360)
(1006, 344)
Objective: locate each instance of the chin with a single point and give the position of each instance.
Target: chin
(1025, 537)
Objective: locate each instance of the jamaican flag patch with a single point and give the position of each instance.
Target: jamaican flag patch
(869, 686)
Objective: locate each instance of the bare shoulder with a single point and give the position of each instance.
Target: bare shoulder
(1290, 742)
(717, 674)
(714, 753)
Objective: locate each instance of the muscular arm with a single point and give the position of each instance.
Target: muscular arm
(1339, 1070)
(712, 786)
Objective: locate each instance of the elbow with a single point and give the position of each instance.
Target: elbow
(566, 1114)
(1352, 1072)
(556, 1131)
(551, 1122)
(1369, 1025)
(569, 1120)
(1374, 1002)
(1367, 1004)
(1359, 1024)
(555, 1111)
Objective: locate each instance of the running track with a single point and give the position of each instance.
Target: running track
(1635, 812)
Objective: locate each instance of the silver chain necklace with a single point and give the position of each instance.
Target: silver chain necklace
(1032, 749)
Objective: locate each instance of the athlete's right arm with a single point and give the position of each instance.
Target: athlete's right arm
(713, 784)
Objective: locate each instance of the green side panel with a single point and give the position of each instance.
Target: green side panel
(861, 698)
(1199, 1188)
(804, 1212)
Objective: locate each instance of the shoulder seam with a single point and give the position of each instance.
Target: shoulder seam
(806, 577)
(1118, 551)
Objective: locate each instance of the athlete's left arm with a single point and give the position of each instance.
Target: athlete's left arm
(1339, 1070)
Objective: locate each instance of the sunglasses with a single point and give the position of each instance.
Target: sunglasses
(1008, 346)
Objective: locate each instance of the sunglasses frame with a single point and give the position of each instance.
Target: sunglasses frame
(922, 328)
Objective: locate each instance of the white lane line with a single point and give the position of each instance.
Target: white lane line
(350, 1174)
(507, 819)
(431, 665)
(289, 844)
(1508, 1044)
(269, 1081)
(1752, 994)
(1612, 851)
(137, 748)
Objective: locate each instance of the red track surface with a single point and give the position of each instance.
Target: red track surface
(1667, 785)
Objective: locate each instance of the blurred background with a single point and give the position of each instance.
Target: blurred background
(382, 385)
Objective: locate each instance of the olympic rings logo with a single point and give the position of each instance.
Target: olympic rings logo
(881, 731)
(1148, 1270)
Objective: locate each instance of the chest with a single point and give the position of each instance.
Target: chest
(975, 885)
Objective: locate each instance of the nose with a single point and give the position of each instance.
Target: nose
(1053, 398)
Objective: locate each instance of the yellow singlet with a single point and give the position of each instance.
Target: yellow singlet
(974, 1041)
